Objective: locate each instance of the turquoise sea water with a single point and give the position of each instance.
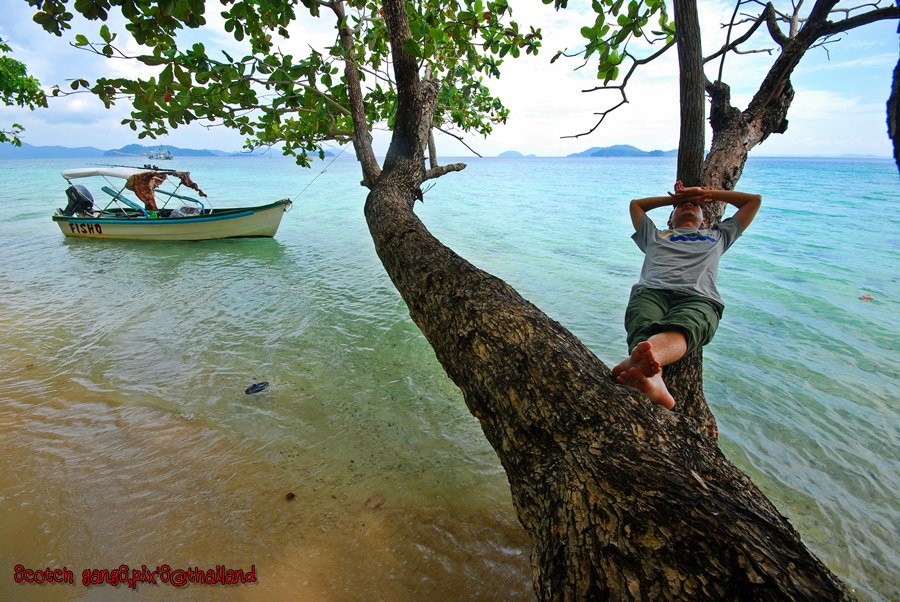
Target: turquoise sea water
(126, 437)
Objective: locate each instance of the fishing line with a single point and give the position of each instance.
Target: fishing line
(324, 169)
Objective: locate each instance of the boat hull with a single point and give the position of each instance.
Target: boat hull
(243, 222)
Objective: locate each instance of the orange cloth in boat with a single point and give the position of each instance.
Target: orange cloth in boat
(143, 185)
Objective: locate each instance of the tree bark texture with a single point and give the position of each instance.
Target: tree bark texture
(622, 499)
(735, 133)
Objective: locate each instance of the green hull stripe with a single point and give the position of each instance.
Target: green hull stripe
(150, 221)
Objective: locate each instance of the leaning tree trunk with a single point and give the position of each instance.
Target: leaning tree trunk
(893, 114)
(621, 499)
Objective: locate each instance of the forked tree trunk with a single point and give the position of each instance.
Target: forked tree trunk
(622, 500)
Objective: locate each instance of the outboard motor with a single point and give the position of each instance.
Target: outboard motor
(80, 200)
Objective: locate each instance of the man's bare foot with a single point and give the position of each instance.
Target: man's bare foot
(652, 387)
(641, 358)
(642, 372)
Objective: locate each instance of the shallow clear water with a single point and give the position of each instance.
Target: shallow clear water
(126, 436)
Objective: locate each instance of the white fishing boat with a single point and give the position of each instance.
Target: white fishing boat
(125, 218)
(161, 153)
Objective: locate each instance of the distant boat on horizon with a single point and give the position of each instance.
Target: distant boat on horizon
(161, 153)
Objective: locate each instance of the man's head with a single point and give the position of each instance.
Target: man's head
(687, 214)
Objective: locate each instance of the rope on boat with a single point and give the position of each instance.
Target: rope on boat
(323, 170)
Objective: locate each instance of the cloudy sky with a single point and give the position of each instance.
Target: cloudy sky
(839, 107)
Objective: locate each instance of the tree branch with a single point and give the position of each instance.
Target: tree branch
(362, 138)
(729, 46)
(881, 14)
(621, 87)
(779, 74)
(460, 139)
(432, 150)
(772, 25)
(440, 170)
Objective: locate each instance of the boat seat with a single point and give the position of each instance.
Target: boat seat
(183, 198)
(124, 200)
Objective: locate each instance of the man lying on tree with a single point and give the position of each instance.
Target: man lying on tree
(675, 307)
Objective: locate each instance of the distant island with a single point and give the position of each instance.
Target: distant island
(515, 155)
(617, 150)
(27, 151)
(137, 150)
(623, 150)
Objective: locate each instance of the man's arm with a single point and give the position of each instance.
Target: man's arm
(747, 204)
(639, 207)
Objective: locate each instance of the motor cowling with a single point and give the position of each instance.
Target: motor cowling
(80, 200)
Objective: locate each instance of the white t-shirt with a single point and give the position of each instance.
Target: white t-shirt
(683, 259)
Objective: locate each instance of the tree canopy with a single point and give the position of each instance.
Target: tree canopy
(17, 88)
(275, 96)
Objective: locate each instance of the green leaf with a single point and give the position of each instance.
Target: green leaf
(166, 77)
(152, 61)
(183, 77)
(412, 48)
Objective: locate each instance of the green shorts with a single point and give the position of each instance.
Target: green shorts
(651, 311)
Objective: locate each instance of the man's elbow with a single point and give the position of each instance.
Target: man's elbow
(752, 204)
